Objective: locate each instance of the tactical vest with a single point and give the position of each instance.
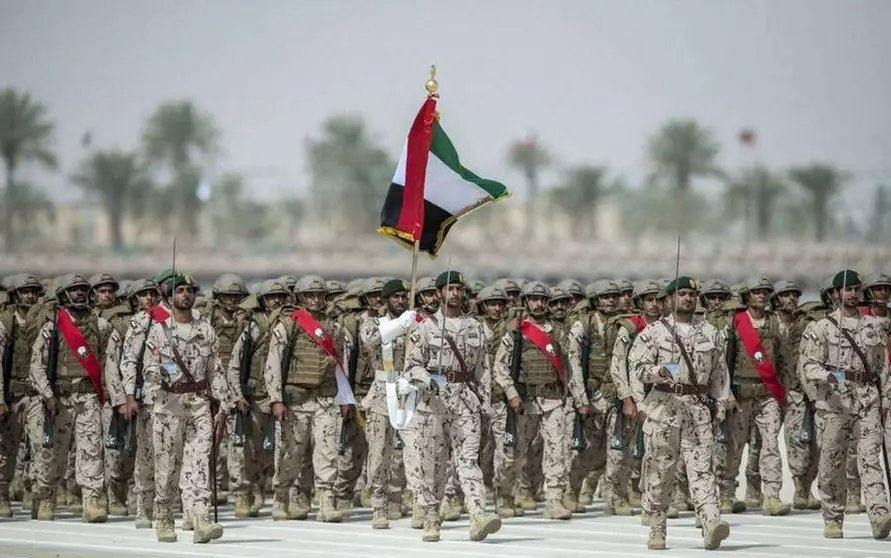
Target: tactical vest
(69, 366)
(311, 367)
(259, 354)
(493, 341)
(227, 334)
(751, 385)
(118, 316)
(364, 374)
(536, 369)
(598, 359)
(21, 352)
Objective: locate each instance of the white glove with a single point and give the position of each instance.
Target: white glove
(407, 319)
(404, 387)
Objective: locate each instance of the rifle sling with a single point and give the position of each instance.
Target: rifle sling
(684, 353)
(176, 356)
(853, 343)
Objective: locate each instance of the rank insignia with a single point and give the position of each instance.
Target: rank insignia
(82, 352)
(319, 333)
(550, 349)
(759, 356)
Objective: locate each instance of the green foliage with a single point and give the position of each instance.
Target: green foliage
(681, 151)
(579, 195)
(822, 182)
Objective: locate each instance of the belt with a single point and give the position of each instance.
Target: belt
(861, 377)
(84, 386)
(184, 387)
(681, 389)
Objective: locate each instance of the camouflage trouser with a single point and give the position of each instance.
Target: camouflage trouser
(351, 463)
(619, 461)
(12, 432)
(380, 467)
(765, 413)
(852, 472)
(144, 462)
(551, 427)
(412, 468)
(77, 426)
(531, 477)
(803, 457)
(487, 451)
(118, 465)
(311, 428)
(592, 459)
(248, 465)
(753, 459)
(835, 432)
(693, 439)
(170, 434)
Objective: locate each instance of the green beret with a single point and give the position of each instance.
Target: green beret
(394, 286)
(450, 277)
(682, 282)
(164, 275)
(846, 278)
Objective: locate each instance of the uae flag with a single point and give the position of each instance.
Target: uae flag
(431, 189)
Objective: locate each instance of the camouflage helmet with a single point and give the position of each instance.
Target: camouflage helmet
(9, 280)
(373, 285)
(255, 287)
(124, 287)
(311, 284)
(475, 286)
(507, 285)
(559, 293)
(491, 293)
(603, 287)
(140, 286)
(272, 287)
(535, 288)
(334, 287)
(755, 283)
(229, 283)
(784, 286)
(69, 281)
(625, 285)
(573, 286)
(426, 284)
(877, 280)
(715, 286)
(646, 287)
(103, 279)
(289, 282)
(355, 284)
(24, 281)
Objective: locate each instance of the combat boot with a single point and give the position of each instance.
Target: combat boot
(802, 494)
(504, 507)
(206, 532)
(555, 509)
(656, 541)
(672, 512)
(586, 495)
(75, 504)
(344, 507)
(143, 521)
(852, 506)
(5, 508)
(417, 517)
(483, 524)
(379, 519)
(394, 511)
(833, 530)
(164, 526)
(881, 527)
(115, 506)
(431, 526)
(571, 503)
(62, 497)
(714, 532)
(635, 498)
(753, 496)
(299, 507)
(813, 503)
(327, 510)
(242, 506)
(188, 523)
(45, 510)
(622, 507)
(16, 488)
(365, 497)
(774, 506)
(279, 510)
(94, 512)
(731, 505)
(27, 499)
(525, 501)
(645, 518)
(450, 510)
(257, 501)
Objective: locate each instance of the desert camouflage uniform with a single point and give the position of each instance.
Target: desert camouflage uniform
(17, 401)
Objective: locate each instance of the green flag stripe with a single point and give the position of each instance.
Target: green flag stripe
(444, 150)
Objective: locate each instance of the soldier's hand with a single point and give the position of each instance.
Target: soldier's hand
(732, 406)
(516, 402)
(629, 409)
(345, 410)
(665, 374)
(584, 411)
(278, 410)
(832, 379)
(219, 421)
(242, 405)
(51, 406)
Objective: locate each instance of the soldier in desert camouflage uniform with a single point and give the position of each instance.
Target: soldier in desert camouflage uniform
(447, 363)
(844, 357)
(682, 357)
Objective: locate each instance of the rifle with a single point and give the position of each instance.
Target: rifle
(730, 357)
(807, 426)
(52, 375)
(516, 363)
(244, 376)
(638, 451)
(578, 422)
(617, 440)
(8, 348)
(130, 439)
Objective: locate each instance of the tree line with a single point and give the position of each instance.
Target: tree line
(164, 182)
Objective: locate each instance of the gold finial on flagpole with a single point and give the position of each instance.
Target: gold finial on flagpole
(432, 86)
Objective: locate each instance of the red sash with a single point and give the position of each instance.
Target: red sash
(157, 313)
(77, 344)
(639, 322)
(752, 343)
(543, 343)
(316, 332)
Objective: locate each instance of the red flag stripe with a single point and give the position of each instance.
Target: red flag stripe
(75, 341)
(411, 218)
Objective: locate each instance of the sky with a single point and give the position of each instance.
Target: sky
(594, 79)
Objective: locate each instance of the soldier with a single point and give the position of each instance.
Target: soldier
(715, 292)
(144, 296)
(335, 289)
(427, 299)
(385, 357)
(182, 359)
(625, 303)
(66, 376)
(529, 368)
(844, 358)
(304, 374)
(681, 356)
(15, 393)
(756, 352)
(589, 358)
(252, 460)
(447, 360)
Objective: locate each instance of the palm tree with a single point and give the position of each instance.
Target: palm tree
(26, 134)
(682, 150)
(758, 187)
(579, 196)
(822, 182)
(175, 137)
(119, 179)
(881, 208)
(349, 169)
(529, 157)
(30, 204)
